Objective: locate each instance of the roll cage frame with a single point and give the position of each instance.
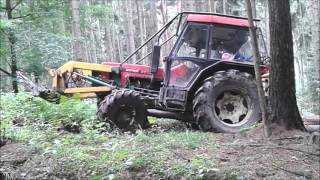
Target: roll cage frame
(160, 32)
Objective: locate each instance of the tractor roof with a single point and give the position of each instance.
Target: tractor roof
(218, 20)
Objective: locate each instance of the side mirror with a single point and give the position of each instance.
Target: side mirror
(155, 59)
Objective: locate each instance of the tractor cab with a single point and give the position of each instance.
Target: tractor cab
(204, 41)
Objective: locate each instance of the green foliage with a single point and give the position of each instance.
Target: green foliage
(152, 120)
(41, 37)
(34, 121)
(100, 11)
(6, 24)
(307, 80)
(122, 155)
(45, 50)
(188, 138)
(137, 163)
(25, 109)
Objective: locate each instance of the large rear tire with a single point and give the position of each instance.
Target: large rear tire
(227, 102)
(123, 109)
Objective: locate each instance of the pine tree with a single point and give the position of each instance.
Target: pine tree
(284, 110)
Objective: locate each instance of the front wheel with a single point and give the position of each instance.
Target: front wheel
(124, 109)
(227, 102)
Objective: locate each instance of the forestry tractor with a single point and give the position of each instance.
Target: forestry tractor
(207, 79)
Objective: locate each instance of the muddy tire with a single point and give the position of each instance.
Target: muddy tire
(123, 109)
(227, 102)
(101, 97)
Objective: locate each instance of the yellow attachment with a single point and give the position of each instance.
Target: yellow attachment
(87, 95)
(86, 69)
(87, 89)
(71, 65)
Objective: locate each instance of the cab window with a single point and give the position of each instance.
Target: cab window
(231, 44)
(193, 42)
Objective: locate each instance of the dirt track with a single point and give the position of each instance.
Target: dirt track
(277, 158)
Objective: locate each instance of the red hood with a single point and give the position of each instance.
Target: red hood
(135, 70)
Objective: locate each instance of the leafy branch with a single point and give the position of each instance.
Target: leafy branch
(19, 2)
(6, 72)
(18, 17)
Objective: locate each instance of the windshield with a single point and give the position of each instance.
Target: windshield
(233, 44)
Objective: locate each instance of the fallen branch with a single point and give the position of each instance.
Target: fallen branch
(6, 72)
(30, 85)
(286, 138)
(287, 170)
(280, 147)
(292, 149)
(18, 17)
(19, 2)
(37, 89)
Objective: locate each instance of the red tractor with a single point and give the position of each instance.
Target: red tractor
(207, 80)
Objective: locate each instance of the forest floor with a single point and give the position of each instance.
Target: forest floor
(167, 151)
(32, 146)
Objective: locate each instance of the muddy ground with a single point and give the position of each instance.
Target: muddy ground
(246, 155)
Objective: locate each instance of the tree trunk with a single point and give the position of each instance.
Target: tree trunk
(144, 30)
(78, 46)
(262, 99)
(253, 8)
(92, 57)
(162, 8)
(14, 68)
(109, 41)
(316, 36)
(198, 5)
(119, 32)
(284, 110)
(179, 6)
(97, 35)
(140, 22)
(224, 6)
(215, 5)
(130, 29)
(152, 23)
(266, 15)
(13, 56)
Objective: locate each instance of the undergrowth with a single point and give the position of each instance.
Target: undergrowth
(36, 122)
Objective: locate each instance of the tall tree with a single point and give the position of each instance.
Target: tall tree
(163, 12)
(119, 32)
(284, 110)
(142, 27)
(12, 41)
(128, 18)
(9, 8)
(78, 45)
(89, 29)
(251, 9)
(109, 35)
(224, 6)
(316, 35)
